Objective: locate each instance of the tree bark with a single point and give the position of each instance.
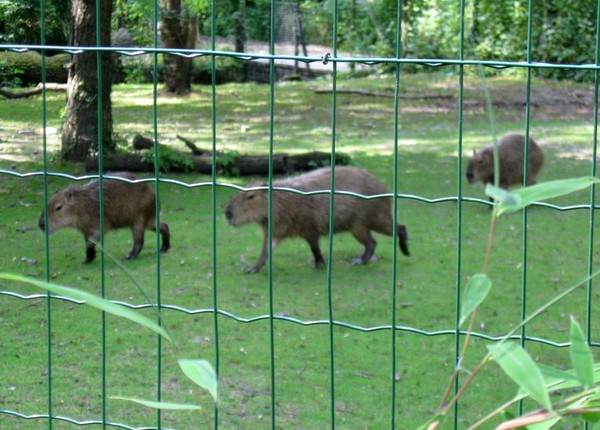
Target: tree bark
(80, 131)
(177, 32)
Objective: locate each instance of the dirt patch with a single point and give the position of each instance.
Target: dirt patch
(547, 102)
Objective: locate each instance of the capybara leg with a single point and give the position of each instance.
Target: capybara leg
(166, 237)
(138, 242)
(402, 238)
(164, 233)
(90, 251)
(264, 255)
(316, 250)
(364, 237)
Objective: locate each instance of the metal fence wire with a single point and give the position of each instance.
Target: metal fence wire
(42, 413)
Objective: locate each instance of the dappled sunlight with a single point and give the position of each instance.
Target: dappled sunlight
(27, 144)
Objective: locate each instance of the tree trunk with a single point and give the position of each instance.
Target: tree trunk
(177, 32)
(80, 130)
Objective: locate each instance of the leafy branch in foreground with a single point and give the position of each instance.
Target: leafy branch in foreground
(198, 371)
(535, 381)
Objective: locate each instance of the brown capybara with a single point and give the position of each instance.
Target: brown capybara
(126, 204)
(511, 155)
(307, 216)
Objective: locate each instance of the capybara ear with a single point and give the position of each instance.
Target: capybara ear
(487, 156)
(68, 195)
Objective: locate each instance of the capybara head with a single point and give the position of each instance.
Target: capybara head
(61, 212)
(248, 206)
(479, 165)
(511, 159)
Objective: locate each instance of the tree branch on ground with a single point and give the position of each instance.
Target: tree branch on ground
(33, 91)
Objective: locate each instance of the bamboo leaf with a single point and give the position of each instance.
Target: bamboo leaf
(201, 373)
(91, 300)
(592, 417)
(553, 375)
(503, 196)
(476, 291)
(562, 380)
(159, 405)
(521, 197)
(581, 356)
(521, 368)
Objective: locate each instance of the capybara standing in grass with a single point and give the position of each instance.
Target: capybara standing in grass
(307, 216)
(511, 155)
(126, 204)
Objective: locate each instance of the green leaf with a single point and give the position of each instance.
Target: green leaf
(502, 196)
(581, 356)
(201, 373)
(563, 380)
(592, 417)
(476, 291)
(159, 405)
(521, 368)
(553, 375)
(91, 300)
(543, 191)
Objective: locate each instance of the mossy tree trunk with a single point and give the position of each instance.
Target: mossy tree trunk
(178, 31)
(80, 132)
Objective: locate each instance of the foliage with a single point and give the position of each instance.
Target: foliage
(200, 372)
(535, 382)
(20, 23)
(137, 17)
(562, 31)
(169, 159)
(426, 288)
(225, 162)
(9, 74)
(256, 12)
(25, 68)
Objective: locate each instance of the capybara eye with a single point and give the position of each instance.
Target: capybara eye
(250, 196)
(58, 208)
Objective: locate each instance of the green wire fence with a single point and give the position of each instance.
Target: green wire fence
(47, 418)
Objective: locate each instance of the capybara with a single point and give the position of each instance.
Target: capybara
(126, 204)
(307, 216)
(511, 155)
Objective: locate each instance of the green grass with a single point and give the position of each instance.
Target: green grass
(557, 256)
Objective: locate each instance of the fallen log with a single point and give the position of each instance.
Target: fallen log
(240, 165)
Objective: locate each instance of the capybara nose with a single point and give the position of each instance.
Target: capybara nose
(228, 214)
(42, 224)
(470, 177)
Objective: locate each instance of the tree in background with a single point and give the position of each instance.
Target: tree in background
(177, 31)
(80, 130)
(20, 22)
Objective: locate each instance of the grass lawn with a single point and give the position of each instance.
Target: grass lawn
(278, 370)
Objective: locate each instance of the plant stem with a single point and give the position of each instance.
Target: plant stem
(488, 251)
(443, 406)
